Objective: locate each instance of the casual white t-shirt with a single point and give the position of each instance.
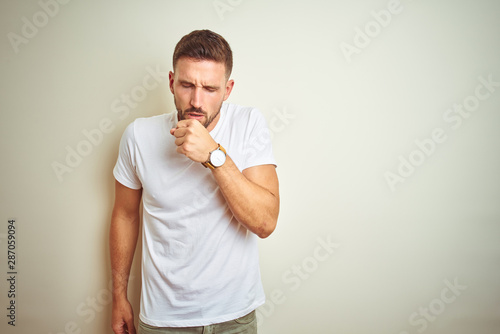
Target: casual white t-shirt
(199, 264)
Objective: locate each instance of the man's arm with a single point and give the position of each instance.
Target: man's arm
(124, 231)
(252, 195)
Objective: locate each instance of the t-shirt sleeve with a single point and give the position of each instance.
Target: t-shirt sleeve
(125, 170)
(259, 149)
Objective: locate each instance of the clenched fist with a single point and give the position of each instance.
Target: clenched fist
(193, 140)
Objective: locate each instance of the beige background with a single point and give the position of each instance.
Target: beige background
(342, 120)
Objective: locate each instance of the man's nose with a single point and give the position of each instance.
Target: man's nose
(196, 100)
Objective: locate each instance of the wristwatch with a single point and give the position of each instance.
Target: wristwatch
(216, 159)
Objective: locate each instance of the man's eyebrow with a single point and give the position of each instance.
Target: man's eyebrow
(186, 82)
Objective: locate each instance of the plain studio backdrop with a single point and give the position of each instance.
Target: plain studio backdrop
(385, 124)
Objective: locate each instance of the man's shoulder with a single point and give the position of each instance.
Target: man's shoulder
(239, 109)
(154, 120)
(240, 113)
(147, 124)
(143, 128)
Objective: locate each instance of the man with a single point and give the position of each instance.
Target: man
(207, 179)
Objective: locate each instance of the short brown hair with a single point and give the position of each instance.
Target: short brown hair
(205, 45)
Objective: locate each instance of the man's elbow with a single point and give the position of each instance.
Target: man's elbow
(264, 234)
(267, 228)
(269, 222)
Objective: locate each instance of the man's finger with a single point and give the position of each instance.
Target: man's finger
(181, 124)
(186, 123)
(131, 327)
(177, 133)
(180, 150)
(179, 141)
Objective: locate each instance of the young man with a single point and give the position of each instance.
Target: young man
(207, 179)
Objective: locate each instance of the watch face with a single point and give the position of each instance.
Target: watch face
(217, 158)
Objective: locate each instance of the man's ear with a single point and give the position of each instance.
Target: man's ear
(229, 88)
(171, 81)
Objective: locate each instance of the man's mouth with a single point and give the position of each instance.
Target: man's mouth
(195, 115)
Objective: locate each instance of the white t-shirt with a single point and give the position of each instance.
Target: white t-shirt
(199, 264)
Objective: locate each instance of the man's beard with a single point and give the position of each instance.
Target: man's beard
(181, 115)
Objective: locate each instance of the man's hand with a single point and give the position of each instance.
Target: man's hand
(122, 318)
(193, 140)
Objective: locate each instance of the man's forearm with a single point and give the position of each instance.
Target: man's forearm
(252, 195)
(122, 241)
(252, 205)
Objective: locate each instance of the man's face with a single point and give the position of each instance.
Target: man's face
(199, 88)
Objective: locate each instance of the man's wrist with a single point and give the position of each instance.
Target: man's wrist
(119, 293)
(216, 158)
